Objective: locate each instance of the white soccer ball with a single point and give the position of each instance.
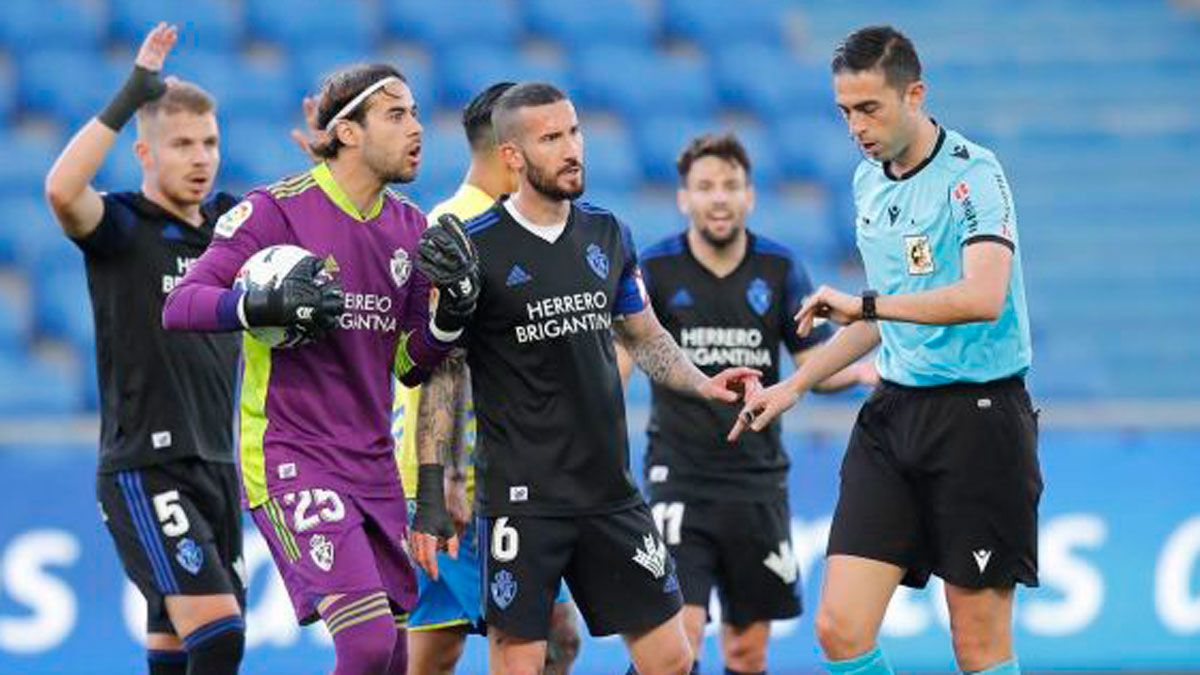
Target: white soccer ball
(265, 270)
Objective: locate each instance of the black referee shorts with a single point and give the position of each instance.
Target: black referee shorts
(944, 480)
(178, 531)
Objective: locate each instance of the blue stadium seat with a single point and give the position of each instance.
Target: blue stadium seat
(27, 222)
(636, 82)
(800, 224)
(300, 24)
(771, 82)
(63, 307)
(444, 160)
(310, 66)
(660, 140)
(465, 71)
(46, 389)
(243, 88)
(816, 148)
(121, 169)
(72, 85)
(610, 158)
(8, 93)
(765, 168)
(31, 26)
(14, 325)
(712, 23)
(27, 159)
(210, 25)
(624, 22)
(652, 217)
(445, 24)
(258, 152)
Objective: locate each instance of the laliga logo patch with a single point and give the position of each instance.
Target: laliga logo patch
(189, 555)
(320, 550)
(597, 261)
(758, 294)
(229, 223)
(401, 266)
(504, 589)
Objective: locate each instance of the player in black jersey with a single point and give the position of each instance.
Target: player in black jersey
(558, 279)
(727, 296)
(166, 483)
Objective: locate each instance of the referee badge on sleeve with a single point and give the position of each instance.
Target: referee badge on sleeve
(918, 254)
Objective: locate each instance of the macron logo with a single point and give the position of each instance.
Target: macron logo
(982, 556)
(517, 276)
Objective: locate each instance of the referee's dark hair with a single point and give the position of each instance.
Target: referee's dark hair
(477, 116)
(725, 146)
(881, 47)
(338, 89)
(524, 95)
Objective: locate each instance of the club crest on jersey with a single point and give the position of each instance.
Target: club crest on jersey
(504, 589)
(652, 556)
(597, 260)
(232, 219)
(189, 555)
(918, 254)
(400, 266)
(758, 294)
(320, 550)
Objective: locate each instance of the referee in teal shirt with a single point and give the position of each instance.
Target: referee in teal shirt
(941, 473)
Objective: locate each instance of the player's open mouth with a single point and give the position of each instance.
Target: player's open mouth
(720, 217)
(415, 154)
(198, 182)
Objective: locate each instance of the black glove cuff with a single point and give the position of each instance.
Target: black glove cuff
(257, 309)
(430, 492)
(141, 87)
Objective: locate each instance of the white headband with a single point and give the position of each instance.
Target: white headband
(362, 96)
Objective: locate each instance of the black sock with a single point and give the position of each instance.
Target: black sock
(163, 662)
(216, 648)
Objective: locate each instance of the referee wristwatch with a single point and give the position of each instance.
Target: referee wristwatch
(868, 305)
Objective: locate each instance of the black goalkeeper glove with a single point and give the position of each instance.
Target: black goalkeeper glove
(446, 256)
(430, 516)
(308, 298)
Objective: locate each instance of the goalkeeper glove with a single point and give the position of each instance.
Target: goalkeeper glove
(446, 256)
(430, 516)
(308, 298)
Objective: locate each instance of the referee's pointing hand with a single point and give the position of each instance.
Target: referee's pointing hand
(827, 303)
(763, 406)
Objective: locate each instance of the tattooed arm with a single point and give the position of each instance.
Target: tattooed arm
(440, 415)
(655, 352)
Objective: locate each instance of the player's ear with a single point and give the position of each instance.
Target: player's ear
(915, 96)
(511, 155)
(682, 201)
(347, 133)
(751, 198)
(141, 150)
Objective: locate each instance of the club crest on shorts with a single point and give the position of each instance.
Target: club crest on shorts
(320, 549)
(758, 294)
(189, 555)
(652, 556)
(504, 589)
(918, 254)
(597, 260)
(400, 266)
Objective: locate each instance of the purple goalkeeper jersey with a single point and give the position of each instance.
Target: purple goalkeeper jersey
(319, 416)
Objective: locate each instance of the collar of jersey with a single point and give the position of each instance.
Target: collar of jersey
(329, 186)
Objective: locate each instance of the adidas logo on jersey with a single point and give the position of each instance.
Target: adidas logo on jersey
(682, 298)
(517, 276)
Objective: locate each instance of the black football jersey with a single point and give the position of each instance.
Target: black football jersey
(551, 413)
(164, 395)
(741, 319)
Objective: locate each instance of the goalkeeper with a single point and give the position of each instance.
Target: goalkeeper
(316, 450)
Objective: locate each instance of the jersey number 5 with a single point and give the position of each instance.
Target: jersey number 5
(170, 513)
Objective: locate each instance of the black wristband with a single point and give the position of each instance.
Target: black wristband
(868, 305)
(141, 87)
(429, 484)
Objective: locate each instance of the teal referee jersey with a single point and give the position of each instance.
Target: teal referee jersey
(911, 232)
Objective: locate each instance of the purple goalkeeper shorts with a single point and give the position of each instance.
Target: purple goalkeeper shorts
(327, 543)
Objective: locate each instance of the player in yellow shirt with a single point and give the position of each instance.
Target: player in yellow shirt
(448, 608)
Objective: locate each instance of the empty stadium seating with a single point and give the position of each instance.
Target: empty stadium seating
(1099, 142)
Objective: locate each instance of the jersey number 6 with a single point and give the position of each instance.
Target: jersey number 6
(505, 541)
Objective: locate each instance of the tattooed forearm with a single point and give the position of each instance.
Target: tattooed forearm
(665, 363)
(439, 435)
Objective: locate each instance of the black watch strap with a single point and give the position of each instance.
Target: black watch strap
(868, 305)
